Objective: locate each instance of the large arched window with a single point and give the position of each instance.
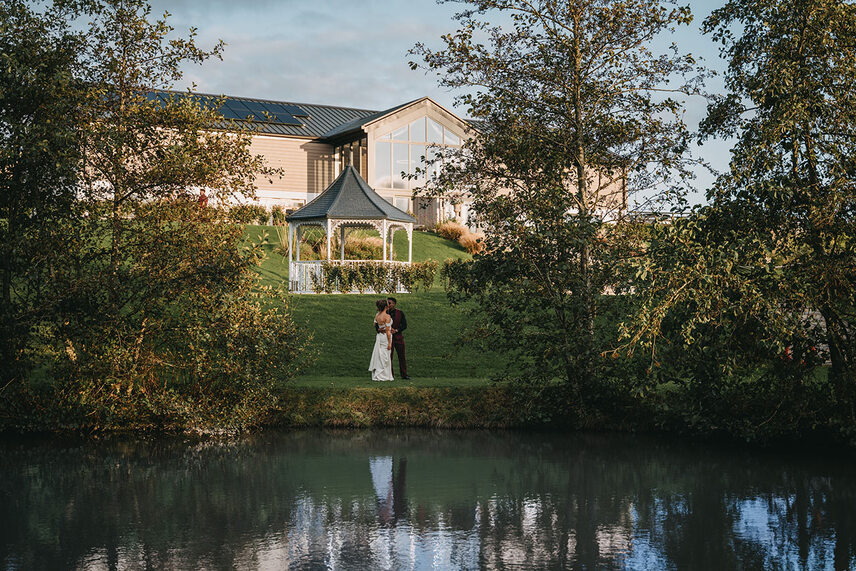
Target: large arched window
(402, 151)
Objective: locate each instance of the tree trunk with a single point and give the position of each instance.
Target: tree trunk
(587, 301)
(840, 342)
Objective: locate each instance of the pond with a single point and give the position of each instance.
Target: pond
(421, 499)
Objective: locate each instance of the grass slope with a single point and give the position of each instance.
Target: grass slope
(343, 334)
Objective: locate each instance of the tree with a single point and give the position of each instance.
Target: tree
(772, 259)
(40, 100)
(157, 311)
(573, 109)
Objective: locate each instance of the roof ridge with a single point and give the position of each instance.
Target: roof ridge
(341, 187)
(325, 105)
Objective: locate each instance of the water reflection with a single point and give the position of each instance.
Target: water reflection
(420, 500)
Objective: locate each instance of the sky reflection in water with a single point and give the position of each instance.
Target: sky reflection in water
(420, 500)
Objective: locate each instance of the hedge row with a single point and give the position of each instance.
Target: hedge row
(375, 276)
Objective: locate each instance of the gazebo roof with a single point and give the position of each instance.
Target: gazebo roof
(349, 197)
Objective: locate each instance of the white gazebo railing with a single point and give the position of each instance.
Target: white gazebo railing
(309, 276)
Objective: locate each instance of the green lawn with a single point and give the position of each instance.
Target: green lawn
(343, 334)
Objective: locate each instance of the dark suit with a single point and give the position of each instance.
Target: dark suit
(399, 323)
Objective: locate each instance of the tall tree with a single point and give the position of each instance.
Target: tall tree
(772, 260)
(792, 102)
(40, 103)
(574, 110)
(157, 304)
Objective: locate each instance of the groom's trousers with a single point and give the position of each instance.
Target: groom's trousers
(402, 362)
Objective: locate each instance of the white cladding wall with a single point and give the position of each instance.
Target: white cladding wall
(308, 166)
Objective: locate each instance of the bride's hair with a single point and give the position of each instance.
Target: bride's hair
(381, 304)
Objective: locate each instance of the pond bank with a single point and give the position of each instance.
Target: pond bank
(478, 405)
(503, 406)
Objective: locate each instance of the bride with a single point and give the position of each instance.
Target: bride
(381, 363)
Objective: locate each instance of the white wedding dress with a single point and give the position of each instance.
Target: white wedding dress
(381, 363)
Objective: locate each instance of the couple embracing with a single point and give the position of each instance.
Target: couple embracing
(389, 323)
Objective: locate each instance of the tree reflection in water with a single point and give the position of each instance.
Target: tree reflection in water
(420, 499)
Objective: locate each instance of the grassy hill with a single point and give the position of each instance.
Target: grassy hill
(343, 334)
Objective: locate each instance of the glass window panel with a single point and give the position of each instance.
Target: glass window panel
(435, 132)
(383, 166)
(434, 167)
(400, 134)
(417, 152)
(402, 203)
(417, 130)
(451, 138)
(386, 136)
(400, 164)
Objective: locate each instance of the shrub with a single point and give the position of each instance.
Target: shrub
(249, 214)
(450, 230)
(381, 278)
(424, 273)
(472, 242)
(262, 216)
(364, 247)
(277, 215)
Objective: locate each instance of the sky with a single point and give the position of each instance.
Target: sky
(354, 54)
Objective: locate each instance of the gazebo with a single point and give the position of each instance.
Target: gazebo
(349, 202)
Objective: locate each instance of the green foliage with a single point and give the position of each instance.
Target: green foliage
(334, 277)
(40, 153)
(453, 407)
(277, 216)
(249, 214)
(153, 311)
(573, 107)
(761, 283)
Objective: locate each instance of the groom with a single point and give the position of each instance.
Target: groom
(399, 324)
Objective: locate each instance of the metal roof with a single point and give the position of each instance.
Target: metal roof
(357, 124)
(319, 119)
(350, 197)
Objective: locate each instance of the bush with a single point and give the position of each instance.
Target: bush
(277, 215)
(364, 247)
(472, 242)
(377, 276)
(451, 230)
(249, 214)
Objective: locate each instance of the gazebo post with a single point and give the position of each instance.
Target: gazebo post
(329, 229)
(289, 243)
(384, 239)
(297, 242)
(410, 243)
(342, 241)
